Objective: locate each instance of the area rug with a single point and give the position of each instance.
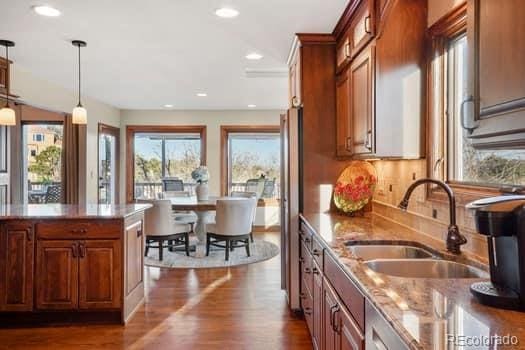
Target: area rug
(260, 250)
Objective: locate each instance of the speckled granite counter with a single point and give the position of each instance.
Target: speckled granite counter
(65, 211)
(424, 312)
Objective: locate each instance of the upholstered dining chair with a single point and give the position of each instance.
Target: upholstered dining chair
(160, 227)
(182, 217)
(233, 224)
(253, 197)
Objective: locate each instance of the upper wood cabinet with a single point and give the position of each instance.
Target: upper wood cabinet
(295, 80)
(362, 26)
(16, 262)
(362, 102)
(494, 108)
(344, 120)
(4, 75)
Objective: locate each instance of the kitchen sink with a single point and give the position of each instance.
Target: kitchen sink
(412, 268)
(383, 251)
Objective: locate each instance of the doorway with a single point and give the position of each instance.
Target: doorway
(108, 164)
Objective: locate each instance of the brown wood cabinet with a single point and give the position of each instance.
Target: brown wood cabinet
(494, 108)
(295, 80)
(134, 256)
(100, 274)
(4, 75)
(362, 26)
(362, 102)
(16, 266)
(344, 119)
(317, 297)
(57, 275)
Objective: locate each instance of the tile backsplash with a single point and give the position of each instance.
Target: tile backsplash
(426, 216)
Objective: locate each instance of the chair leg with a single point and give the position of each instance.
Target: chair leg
(187, 243)
(146, 249)
(248, 247)
(251, 236)
(161, 250)
(170, 245)
(207, 245)
(232, 245)
(227, 244)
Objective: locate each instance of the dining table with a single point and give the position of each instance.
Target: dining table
(204, 209)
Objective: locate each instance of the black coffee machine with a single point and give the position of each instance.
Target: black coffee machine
(502, 220)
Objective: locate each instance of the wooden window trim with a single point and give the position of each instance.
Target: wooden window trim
(131, 130)
(115, 132)
(451, 25)
(226, 130)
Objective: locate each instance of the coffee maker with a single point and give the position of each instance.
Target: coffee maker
(502, 220)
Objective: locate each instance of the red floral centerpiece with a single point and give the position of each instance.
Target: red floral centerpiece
(355, 186)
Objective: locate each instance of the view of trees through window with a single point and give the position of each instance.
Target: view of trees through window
(255, 156)
(466, 164)
(43, 159)
(159, 156)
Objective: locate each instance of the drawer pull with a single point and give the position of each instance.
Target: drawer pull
(315, 270)
(367, 25)
(80, 230)
(307, 270)
(307, 240)
(82, 250)
(308, 311)
(316, 252)
(302, 295)
(301, 260)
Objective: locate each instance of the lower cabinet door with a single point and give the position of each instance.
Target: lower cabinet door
(16, 266)
(349, 334)
(330, 304)
(100, 274)
(318, 307)
(134, 238)
(56, 275)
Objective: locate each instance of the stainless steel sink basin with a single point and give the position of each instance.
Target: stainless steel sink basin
(425, 269)
(383, 251)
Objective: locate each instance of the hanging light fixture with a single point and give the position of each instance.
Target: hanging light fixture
(79, 112)
(7, 114)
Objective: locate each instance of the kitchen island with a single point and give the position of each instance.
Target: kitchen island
(70, 264)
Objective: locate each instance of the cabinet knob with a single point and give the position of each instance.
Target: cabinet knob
(316, 252)
(307, 270)
(302, 295)
(308, 311)
(315, 270)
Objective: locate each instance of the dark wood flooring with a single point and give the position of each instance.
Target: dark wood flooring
(226, 308)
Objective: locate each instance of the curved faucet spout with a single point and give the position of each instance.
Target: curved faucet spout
(454, 238)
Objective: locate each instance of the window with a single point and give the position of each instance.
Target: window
(38, 137)
(161, 153)
(43, 162)
(452, 157)
(253, 161)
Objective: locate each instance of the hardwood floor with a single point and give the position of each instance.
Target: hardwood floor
(235, 308)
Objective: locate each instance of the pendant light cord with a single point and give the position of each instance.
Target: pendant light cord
(79, 77)
(8, 76)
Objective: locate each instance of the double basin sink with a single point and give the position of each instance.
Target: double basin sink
(410, 261)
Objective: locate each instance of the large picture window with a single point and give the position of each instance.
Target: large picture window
(251, 160)
(163, 154)
(452, 157)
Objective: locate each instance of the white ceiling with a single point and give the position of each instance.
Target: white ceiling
(144, 54)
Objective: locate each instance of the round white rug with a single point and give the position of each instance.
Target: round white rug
(260, 250)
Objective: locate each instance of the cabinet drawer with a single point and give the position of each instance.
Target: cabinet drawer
(346, 289)
(308, 310)
(79, 229)
(306, 269)
(342, 54)
(306, 235)
(317, 252)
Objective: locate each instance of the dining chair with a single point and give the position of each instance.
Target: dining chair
(182, 216)
(172, 184)
(253, 197)
(233, 224)
(160, 227)
(53, 194)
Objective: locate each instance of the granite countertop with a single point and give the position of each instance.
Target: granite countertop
(66, 211)
(424, 312)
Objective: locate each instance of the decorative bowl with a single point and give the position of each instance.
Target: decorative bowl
(355, 186)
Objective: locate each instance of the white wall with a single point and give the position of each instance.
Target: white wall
(40, 93)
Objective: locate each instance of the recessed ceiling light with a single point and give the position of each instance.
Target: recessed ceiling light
(168, 106)
(252, 106)
(202, 94)
(227, 12)
(254, 56)
(48, 11)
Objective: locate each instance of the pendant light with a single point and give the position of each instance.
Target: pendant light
(79, 112)
(7, 114)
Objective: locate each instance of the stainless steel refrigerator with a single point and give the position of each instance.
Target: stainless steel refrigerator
(291, 203)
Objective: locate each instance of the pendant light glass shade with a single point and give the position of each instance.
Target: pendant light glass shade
(79, 115)
(7, 116)
(79, 112)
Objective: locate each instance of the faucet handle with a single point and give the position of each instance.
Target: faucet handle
(455, 239)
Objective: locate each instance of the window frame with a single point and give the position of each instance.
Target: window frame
(131, 130)
(226, 130)
(446, 29)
